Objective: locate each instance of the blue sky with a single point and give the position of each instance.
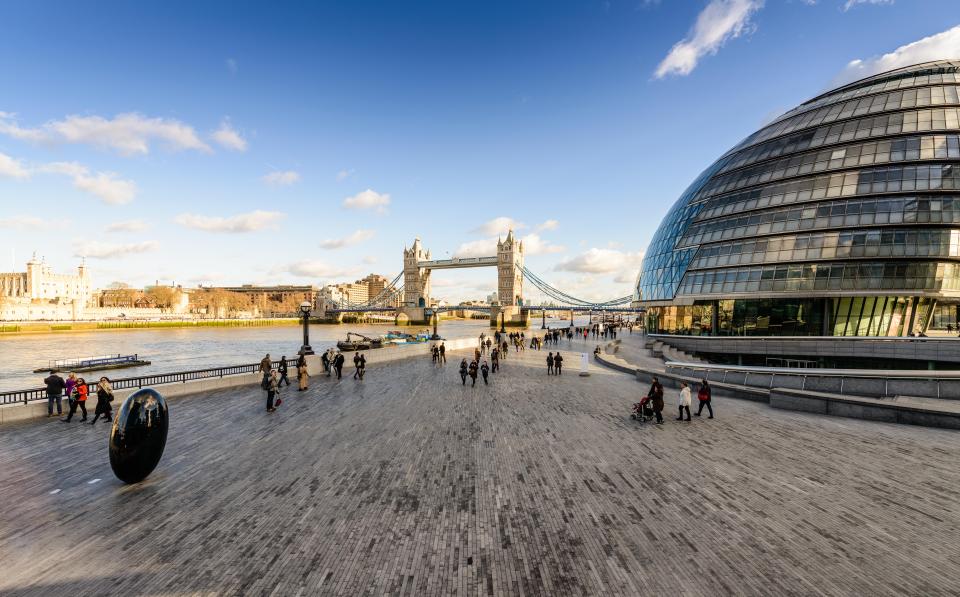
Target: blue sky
(224, 143)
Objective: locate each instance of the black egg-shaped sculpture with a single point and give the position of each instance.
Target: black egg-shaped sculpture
(139, 435)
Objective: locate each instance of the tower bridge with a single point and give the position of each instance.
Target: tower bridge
(416, 305)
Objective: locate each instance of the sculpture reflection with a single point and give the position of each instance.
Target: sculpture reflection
(139, 435)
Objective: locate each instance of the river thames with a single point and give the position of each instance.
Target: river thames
(183, 349)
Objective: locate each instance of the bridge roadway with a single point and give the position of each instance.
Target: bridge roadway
(409, 484)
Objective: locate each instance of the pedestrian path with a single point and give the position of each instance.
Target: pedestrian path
(408, 483)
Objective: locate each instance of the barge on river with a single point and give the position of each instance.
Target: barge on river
(100, 363)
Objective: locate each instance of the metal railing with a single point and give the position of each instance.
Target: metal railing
(35, 394)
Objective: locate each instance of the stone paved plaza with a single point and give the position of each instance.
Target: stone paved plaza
(409, 484)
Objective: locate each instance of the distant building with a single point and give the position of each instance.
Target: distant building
(39, 283)
(492, 298)
(273, 300)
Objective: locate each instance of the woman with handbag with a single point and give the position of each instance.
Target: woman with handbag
(78, 399)
(704, 396)
(104, 398)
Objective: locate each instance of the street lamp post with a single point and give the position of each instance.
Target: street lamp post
(434, 316)
(503, 327)
(543, 321)
(305, 308)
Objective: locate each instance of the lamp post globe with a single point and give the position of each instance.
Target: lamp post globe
(305, 308)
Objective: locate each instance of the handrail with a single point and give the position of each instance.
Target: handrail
(817, 372)
(901, 339)
(34, 394)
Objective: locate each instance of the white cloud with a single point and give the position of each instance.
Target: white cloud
(338, 243)
(548, 225)
(11, 168)
(228, 137)
(344, 174)
(108, 186)
(281, 178)
(23, 223)
(500, 225)
(101, 250)
(851, 3)
(368, 199)
(602, 261)
(477, 248)
(534, 245)
(248, 222)
(127, 226)
(719, 22)
(945, 44)
(316, 269)
(128, 134)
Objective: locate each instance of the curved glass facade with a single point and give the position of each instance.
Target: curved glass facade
(855, 193)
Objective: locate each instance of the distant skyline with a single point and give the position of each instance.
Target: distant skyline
(231, 143)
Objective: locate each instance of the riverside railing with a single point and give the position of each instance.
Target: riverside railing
(26, 396)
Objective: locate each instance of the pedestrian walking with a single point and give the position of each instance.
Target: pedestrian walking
(656, 396)
(495, 360)
(266, 365)
(303, 376)
(78, 400)
(55, 386)
(485, 370)
(104, 398)
(473, 373)
(356, 364)
(435, 353)
(70, 385)
(362, 366)
(325, 360)
(704, 396)
(463, 371)
(557, 364)
(684, 400)
(338, 364)
(282, 368)
(550, 364)
(476, 354)
(443, 354)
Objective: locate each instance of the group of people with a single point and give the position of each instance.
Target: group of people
(439, 353)
(704, 395)
(473, 368)
(76, 389)
(274, 378)
(554, 364)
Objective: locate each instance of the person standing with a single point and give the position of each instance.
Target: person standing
(656, 396)
(684, 400)
(557, 364)
(443, 354)
(550, 364)
(495, 360)
(104, 398)
(266, 365)
(463, 371)
(485, 370)
(338, 364)
(70, 385)
(325, 360)
(283, 368)
(303, 376)
(704, 396)
(55, 387)
(79, 400)
(273, 388)
(435, 353)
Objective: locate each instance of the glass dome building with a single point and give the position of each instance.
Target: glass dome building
(840, 218)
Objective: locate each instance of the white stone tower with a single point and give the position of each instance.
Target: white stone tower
(509, 276)
(416, 281)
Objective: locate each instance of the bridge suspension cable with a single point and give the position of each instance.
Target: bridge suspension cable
(385, 296)
(563, 297)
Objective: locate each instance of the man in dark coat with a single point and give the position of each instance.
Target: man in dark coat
(55, 386)
(338, 364)
(656, 397)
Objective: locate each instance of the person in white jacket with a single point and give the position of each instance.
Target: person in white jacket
(684, 400)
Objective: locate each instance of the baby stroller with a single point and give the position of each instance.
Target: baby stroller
(643, 410)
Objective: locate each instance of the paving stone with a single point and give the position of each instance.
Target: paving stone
(408, 483)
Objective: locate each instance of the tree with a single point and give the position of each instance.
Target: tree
(163, 296)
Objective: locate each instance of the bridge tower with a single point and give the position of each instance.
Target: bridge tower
(416, 280)
(509, 276)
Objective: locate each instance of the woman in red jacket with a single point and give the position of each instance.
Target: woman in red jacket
(78, 399)
(704, 397)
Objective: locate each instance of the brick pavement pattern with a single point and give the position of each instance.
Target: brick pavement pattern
(408, 483)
